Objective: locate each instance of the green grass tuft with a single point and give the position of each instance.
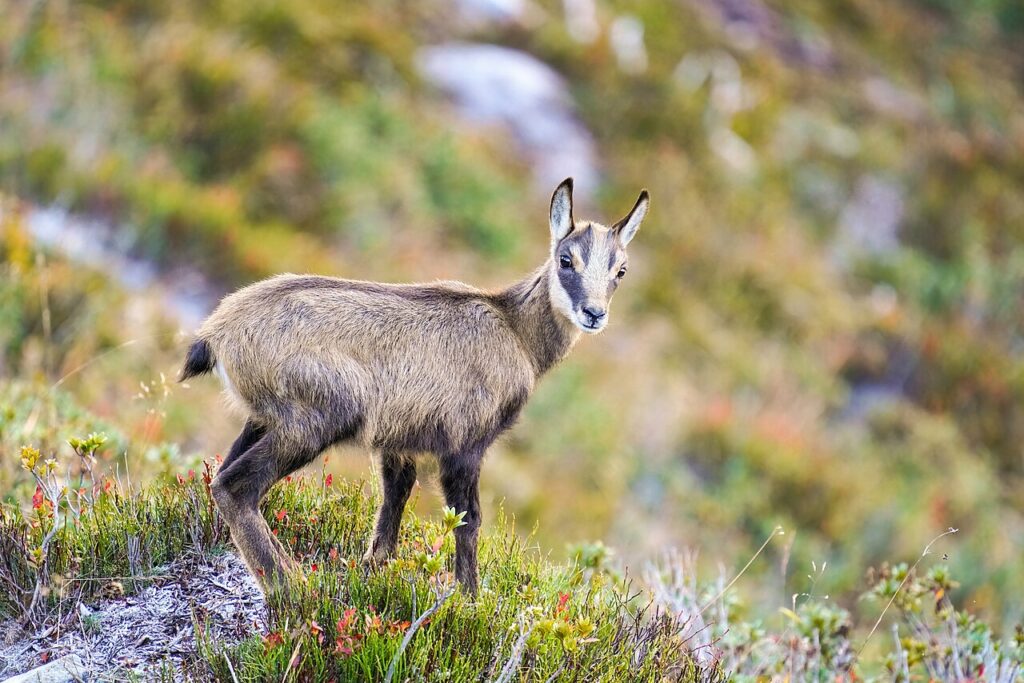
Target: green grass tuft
(345, 621)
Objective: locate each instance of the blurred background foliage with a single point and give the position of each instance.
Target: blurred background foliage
(822, 327)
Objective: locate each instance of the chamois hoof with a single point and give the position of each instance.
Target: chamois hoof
(284, 585)
(372, 560)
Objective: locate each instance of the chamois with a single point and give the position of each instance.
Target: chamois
(439, 368)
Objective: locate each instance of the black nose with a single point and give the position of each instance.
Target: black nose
(594, 314)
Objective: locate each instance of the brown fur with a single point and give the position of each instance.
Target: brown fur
(400, 369)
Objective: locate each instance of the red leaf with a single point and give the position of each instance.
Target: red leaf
(346, 619)
(395, 627)
(281, 514)
(37, 498)
(272, 640)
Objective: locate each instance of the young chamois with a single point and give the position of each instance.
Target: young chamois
(401, 369)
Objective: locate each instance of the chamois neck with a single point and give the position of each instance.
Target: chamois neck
(545, 334)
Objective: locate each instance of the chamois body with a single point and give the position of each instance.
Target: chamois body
(440, 368)
(419, 368)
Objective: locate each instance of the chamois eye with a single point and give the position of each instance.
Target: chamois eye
(565, 261)
(622, 273)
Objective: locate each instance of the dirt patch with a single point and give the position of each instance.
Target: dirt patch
(152, 629)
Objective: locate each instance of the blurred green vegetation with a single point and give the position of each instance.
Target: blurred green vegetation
(763, 366)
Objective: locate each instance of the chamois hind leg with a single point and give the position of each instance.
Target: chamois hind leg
(238, 489)
(460, 479)
(251, 433)
(398, 474)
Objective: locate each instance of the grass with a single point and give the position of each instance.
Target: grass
(406, 620)
(531, 620)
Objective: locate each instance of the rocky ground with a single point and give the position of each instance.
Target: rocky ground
(149, 630)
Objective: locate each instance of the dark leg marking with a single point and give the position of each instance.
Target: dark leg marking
(251, 433)
(460, 479)
(398, 474)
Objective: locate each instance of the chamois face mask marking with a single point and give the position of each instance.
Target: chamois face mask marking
(589, 260)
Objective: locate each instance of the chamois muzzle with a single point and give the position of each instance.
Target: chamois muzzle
(594, 317)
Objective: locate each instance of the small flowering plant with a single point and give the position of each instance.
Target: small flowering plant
(433, 553)
(57, 493)
(53, 490)
(560, 628)
(946, 643)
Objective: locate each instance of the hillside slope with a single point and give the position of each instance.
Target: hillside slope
(821, 329)
(142, 584)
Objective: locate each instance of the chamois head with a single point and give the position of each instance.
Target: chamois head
(588, 260)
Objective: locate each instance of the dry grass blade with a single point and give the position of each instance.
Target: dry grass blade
(910, 572)
(777, 531)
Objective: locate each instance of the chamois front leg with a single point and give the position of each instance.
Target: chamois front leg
(460, 479)
(398, 474)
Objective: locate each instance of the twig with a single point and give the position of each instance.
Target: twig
(412, 631)
(231, 668)
(516, 656)
(558, 671)
(92, 360)
(927, 549)
(291, 662)
(151, 577)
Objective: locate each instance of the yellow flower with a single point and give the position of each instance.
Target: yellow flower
(29, 457)
(563, 629)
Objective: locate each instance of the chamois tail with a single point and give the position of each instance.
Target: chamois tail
(198, 361)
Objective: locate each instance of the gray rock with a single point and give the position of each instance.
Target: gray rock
(492, 85)
(480, 13)
(67, 669)
(870, 221)
(185, 293)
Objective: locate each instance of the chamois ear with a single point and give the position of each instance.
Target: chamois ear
(627, 227)
(561, 210)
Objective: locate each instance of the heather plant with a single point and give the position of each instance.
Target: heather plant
(345, 620)
(933, 638)
(83, 532)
